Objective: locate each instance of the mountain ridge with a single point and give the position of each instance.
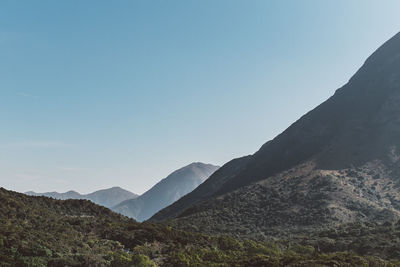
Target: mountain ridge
(359, 124)
(104, 197)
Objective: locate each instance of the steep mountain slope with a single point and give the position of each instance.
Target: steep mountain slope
(39, 231)
(106, 197)
(167, 191)
(359, 126)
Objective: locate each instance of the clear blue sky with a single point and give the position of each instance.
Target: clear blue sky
(101, 93)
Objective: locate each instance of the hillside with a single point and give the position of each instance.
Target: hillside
(106, 197)
(166, 192)
(299, 201)
(337, 164)
(39, 231)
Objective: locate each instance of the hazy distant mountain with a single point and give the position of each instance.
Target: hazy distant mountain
(111, 197)
(339, 163)
(63, 196)
(107, 197)
(167, 191)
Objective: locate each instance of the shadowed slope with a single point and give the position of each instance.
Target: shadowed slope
(358, 124)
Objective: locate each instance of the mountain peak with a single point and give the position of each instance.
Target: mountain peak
(199, 165)
(359, 124)
(167, 191)
(70, 192)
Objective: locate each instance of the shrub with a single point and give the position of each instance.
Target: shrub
(139, 260)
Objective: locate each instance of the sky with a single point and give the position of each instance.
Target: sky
(95, 94)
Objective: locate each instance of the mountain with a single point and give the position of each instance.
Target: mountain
(111, 197)
(40, 231)
(63, 196)
(337, 164)
(107, 197)
(166, 192)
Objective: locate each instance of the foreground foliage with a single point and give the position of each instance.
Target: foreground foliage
(39, 231)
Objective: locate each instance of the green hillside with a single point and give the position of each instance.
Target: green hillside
(39, 231)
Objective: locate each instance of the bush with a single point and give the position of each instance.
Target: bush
(229, 243)
(303, 250)
(120, 259)
(139, 260)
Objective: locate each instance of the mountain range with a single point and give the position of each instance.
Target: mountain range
(166, 192)
(339, 163)
(325, 192)
(106, 197)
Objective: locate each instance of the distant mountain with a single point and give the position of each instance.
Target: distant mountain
(111, 197)
(340, 163)
(107, 197)
(167, 191)
(63, 196)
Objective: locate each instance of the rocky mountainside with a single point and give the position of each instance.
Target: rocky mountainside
(106, 197)
(339, 163)
(166, 192)
(299, 201)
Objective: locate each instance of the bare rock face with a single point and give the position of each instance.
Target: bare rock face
(337, 164)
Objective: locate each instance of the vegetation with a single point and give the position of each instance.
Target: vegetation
(39, 231)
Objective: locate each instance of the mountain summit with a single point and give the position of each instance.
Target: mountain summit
(167, 191)
(338, 163)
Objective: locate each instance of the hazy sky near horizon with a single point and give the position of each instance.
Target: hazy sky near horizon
(95, 94)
